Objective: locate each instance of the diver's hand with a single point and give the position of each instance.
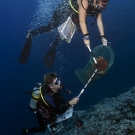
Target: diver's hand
(86, 41)
(74, 101)
(104, 41)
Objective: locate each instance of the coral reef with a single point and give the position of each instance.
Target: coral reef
(111, 116)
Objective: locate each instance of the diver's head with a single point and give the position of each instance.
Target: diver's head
(101, 4)
(52, 82)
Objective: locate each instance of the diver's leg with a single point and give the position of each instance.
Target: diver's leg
(40, 30)
(42, 126)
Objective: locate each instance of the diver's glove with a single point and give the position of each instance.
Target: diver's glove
(86, 39)
(104, 41)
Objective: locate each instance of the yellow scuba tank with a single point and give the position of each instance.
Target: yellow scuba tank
(34, 98)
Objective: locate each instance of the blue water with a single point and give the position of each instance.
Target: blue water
(17, 17)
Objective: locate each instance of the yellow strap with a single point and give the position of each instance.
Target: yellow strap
(72, 6)
(42, 96)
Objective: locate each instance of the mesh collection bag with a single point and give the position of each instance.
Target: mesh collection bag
(105, 58)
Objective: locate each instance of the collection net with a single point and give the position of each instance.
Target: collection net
(105, 58)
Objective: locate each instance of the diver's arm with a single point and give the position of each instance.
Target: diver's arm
(82, 16)
(67, 105)
(100, 24)
(101, 29)
(62, 109)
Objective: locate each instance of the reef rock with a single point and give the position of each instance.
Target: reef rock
(111, 116)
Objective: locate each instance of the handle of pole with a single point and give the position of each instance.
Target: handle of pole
(89, 48)
(92, 55)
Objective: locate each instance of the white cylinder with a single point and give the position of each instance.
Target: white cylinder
(33, 103)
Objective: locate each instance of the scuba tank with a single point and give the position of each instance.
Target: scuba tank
(35, 97)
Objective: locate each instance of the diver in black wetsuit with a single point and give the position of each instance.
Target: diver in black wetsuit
(49, 104)
(60, 15)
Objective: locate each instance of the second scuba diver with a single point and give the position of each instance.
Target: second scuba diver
(47, 102)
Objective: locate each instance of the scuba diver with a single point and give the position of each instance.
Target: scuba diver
(47, 102)
(60, 15)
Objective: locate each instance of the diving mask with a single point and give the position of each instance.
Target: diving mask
(102, 4)
(56, 82)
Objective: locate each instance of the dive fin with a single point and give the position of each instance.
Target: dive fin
(50, 56)
(26, 50)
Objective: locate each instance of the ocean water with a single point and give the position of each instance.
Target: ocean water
(17, 17)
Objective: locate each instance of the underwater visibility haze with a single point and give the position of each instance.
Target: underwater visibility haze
(17, 17)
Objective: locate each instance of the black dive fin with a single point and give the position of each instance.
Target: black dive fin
(51, 54)
(26, 50)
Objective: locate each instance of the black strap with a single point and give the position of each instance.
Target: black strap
(83, 6)
(103, 36)
(87, 34)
